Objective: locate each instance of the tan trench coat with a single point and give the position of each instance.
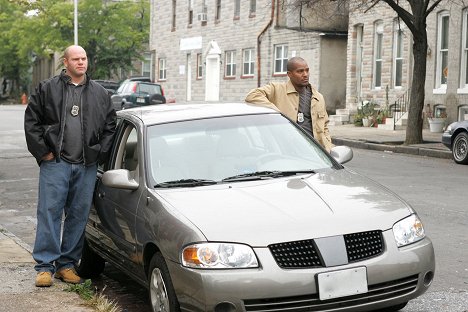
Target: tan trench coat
(284, 97)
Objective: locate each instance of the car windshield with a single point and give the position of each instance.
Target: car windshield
(230, 149)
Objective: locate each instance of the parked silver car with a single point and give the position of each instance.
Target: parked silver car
(232, 207)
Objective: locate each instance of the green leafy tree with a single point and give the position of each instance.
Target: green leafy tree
(112, 33)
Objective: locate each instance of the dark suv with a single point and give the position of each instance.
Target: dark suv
(133, 93)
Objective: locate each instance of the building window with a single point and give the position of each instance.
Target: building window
(174, 10)
(190, 12)
(146, 66)
(442, 50)
(281, 59)
(218, 10)
(199, 66)
(162, 69)
(248, 62)
(464, 53)
(230, 61)
(253, 7)
(378, 36)
(236, 9)
(398, 56)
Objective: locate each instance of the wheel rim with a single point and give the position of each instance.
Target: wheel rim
(158, 292)
(460, 148)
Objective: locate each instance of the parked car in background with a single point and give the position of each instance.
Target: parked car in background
(109, 85)
(455, 137)
(233, 207)
(133, 93)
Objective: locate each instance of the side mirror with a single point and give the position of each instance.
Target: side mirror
(342, 154)
(119, 178)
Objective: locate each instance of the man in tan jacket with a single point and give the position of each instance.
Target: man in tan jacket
(298, 100)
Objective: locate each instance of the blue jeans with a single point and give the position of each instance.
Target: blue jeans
(64, 188)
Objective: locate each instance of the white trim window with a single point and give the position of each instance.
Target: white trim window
(378, 37)
(162, 69)
(464, 55)
(199, 66)
(230, 61)
(253, 7)
(248, 62)
(281, 59)
(146, 65)
(442, 52)
(398, 56)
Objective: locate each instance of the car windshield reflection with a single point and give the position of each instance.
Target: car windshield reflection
(230, 149)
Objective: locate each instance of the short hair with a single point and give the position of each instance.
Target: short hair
(290, 66)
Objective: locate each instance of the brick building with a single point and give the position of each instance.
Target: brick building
(380, 60)
(219, 50)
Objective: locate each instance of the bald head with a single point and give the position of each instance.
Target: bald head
(75, 62)
(293, 62)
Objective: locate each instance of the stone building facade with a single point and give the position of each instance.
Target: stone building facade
(220, 50)
(380, 60)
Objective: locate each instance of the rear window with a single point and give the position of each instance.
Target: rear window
(149, 88)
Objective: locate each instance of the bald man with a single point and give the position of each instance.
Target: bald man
(298, 100)
(69, 125)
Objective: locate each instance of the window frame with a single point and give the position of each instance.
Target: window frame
(442, 52)
(378, 60)
(199, 66)
(248, 61)
(174, 15)
(398, 59)
(162, 69)
(230, 64)
(217, 10)
(463, 84)
(237, 8)
(280, 60)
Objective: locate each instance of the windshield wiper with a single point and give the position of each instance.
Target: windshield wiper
(259, 175)
(185, 183)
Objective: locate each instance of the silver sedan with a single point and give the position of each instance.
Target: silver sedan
(232, 207)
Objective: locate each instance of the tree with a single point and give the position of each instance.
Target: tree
(414, 14)
(112, 33)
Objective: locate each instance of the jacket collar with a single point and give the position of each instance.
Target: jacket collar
(290, 88)
(67, 79)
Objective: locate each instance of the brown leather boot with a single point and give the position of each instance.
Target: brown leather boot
(44, 279)
(69, 276)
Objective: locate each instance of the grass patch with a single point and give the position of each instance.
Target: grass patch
(97, 300)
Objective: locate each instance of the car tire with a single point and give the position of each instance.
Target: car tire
(394, 308)
(157, 99)
(460, 148)
(161, 291)
(90, 264)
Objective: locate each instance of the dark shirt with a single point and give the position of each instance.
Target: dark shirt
(305, 98)
(72, 148)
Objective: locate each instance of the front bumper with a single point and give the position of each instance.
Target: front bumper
(447, 139)
(294, 289)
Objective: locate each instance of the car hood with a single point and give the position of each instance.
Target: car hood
(259, 213)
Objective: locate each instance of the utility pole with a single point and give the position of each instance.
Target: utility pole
(76, 21)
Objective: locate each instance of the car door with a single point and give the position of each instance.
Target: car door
(117, 208)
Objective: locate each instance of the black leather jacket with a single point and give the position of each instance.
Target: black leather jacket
(44, 120)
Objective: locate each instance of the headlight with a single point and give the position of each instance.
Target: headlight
(449, 128)
(408, 231)
(219, 256)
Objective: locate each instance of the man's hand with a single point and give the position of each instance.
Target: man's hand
(48, 156)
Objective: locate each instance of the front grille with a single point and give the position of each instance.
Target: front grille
(298, 254)
(305, 253)
(364, 245)
(309, 303)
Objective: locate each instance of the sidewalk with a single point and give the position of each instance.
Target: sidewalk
(389, 140)
(17, 276)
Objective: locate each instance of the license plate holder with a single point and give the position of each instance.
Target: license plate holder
(342, 283)
(140, 100)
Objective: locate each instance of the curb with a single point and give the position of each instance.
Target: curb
(395, 147)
